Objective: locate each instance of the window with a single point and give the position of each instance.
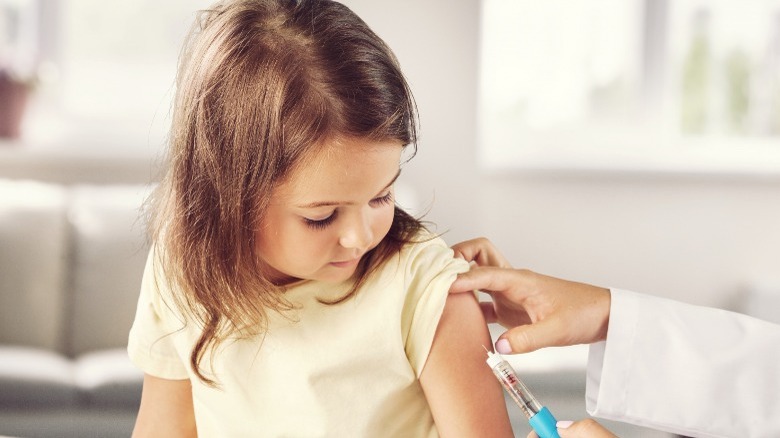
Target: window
(631, 85)
(106, 70)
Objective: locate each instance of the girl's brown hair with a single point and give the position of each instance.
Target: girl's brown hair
(262, 83)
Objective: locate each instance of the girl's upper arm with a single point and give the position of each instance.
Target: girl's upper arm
(465, 398)
(166, 409)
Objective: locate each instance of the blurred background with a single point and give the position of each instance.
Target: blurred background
(626, 143)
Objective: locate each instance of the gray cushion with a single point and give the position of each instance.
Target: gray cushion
(109, 252)
(38, 378)
(32, 255)
(31, 378)
(108, 379)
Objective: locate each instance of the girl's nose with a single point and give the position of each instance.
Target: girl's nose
(356, 232)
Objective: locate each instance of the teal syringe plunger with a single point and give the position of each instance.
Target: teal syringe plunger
(539, 417)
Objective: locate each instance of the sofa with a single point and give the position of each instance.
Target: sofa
(71, 260)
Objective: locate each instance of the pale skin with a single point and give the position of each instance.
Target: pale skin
(465, 398)
(166, 409)
(319, 223)
(538, 311)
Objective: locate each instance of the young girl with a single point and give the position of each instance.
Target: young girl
(286, 294)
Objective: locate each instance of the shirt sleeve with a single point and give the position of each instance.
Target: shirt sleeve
(430, 270)
(689, 370)
(151, 343)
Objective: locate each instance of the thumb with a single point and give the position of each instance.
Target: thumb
(531, 337)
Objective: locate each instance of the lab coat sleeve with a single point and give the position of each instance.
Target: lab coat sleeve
(685, 369)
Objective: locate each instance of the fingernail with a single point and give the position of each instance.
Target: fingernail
(564, 424)
(503, 347)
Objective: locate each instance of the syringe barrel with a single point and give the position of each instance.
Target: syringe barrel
(516, 389)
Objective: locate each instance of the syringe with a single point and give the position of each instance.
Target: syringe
(539, 417)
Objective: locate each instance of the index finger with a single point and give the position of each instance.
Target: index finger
(487, 279)
(480, 251)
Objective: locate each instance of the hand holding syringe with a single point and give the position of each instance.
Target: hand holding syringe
(539, 417)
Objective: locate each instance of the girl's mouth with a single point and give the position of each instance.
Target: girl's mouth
(346, 263)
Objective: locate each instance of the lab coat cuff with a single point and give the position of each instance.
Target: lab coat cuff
(609, 362)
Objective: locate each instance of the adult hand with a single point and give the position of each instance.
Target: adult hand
(482, 252)
(587, 428)
(539, 311)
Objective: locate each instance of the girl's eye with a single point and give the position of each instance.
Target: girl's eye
(386, 199)
(319, 224)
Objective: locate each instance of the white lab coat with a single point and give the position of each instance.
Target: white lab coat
(685, 369)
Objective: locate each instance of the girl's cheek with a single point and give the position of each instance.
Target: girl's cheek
(387, 221)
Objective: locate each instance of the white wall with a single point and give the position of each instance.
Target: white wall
(700, 239)
(697, 240)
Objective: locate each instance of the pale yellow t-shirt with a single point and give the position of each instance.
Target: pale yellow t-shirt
(344, 370)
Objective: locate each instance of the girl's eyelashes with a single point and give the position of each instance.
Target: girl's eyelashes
(386, 199)
(319, 224)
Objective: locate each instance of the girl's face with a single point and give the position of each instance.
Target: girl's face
(331, 211)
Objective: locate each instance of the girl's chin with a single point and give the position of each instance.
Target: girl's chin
(334, 272)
